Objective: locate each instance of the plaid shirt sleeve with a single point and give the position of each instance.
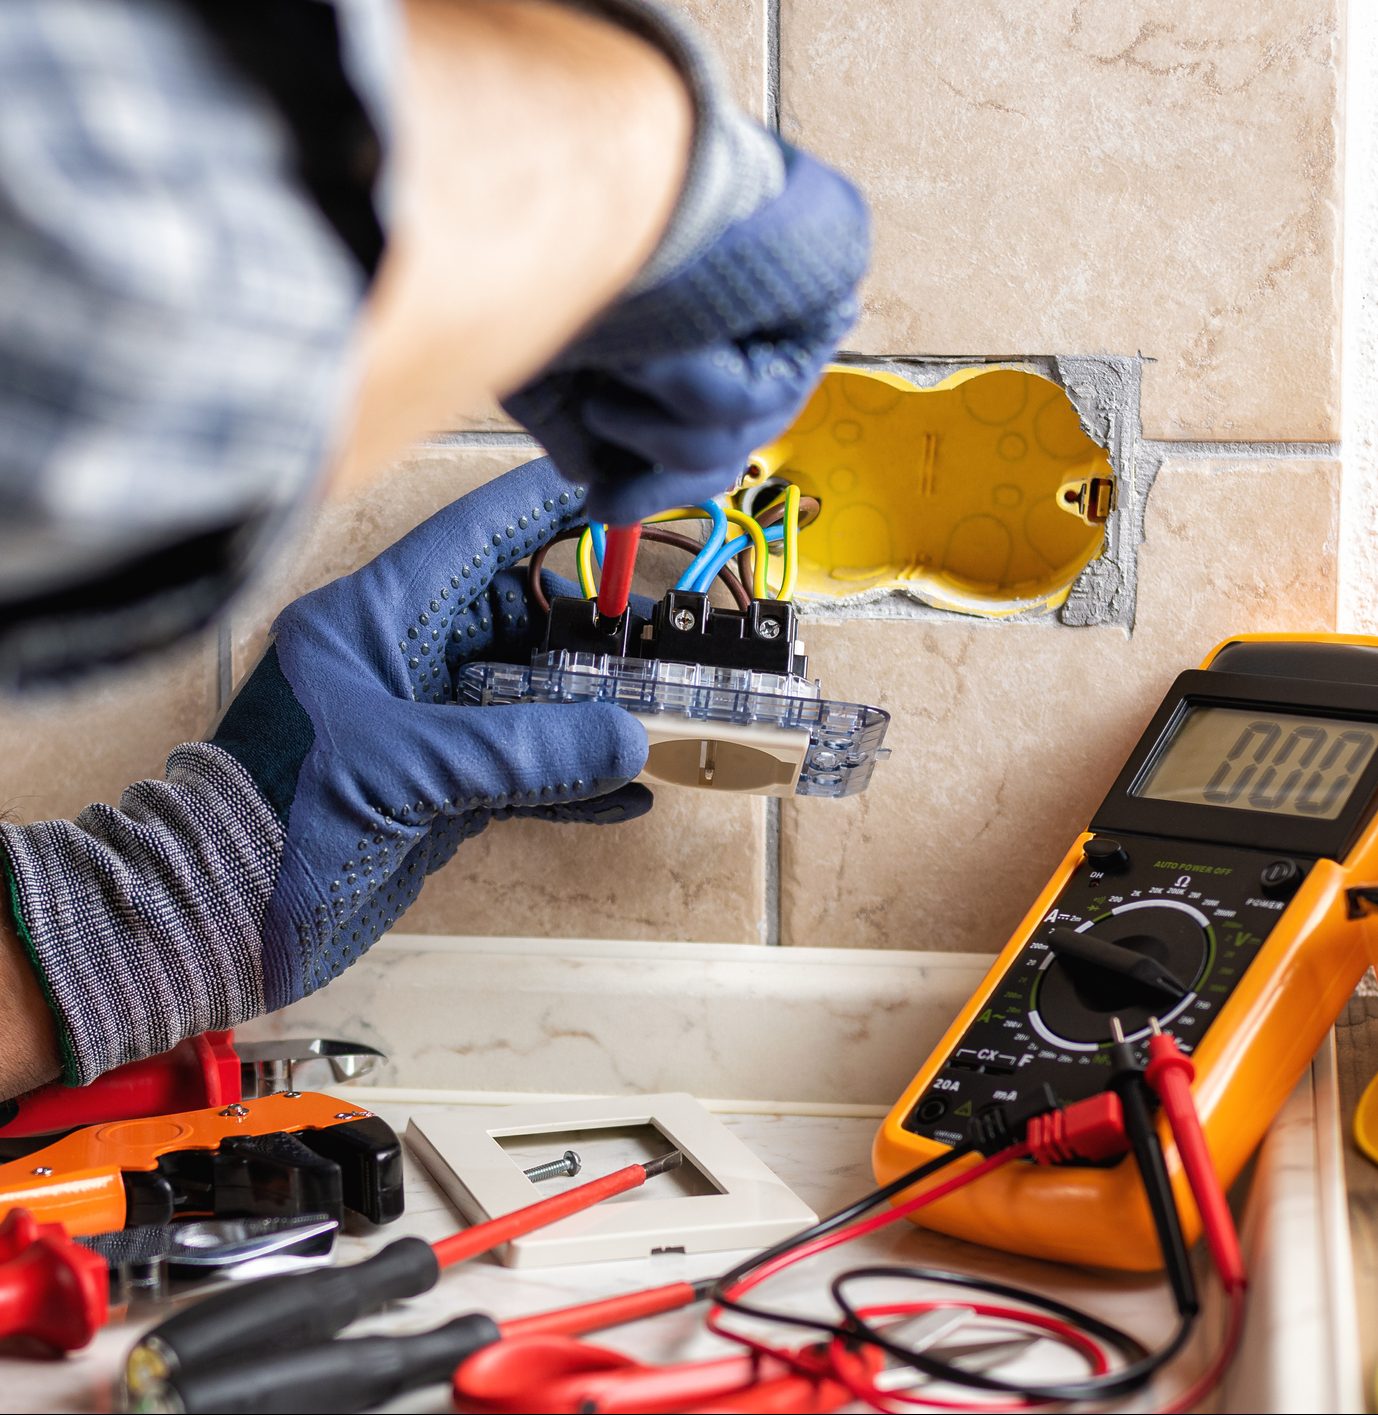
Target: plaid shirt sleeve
(176, 304)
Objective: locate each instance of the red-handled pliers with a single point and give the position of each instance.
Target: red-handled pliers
(559, 1374)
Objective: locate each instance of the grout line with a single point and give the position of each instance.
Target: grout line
(772, 73)
(504, 437)
(224, 649)
(1202, 447)
(772, 863)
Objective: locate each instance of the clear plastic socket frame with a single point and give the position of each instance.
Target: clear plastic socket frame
(845, 739)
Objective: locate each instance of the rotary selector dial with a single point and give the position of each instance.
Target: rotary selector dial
(1074, 1000)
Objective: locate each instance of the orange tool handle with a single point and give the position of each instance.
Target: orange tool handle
(76, 1181)
(484, 1237)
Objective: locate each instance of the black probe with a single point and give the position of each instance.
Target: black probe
(1127, 1081)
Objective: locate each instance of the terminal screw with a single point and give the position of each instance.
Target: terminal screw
(769, 628)
(683, 619)
(569, 1163)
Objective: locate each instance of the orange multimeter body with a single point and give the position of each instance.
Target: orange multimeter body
(1227, 850)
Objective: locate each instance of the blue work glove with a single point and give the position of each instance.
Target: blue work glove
(269, 858)
(723, 337)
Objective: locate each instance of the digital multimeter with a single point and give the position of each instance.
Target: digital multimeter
(1235, 852)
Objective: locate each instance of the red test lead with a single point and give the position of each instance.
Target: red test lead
(1170, 1073)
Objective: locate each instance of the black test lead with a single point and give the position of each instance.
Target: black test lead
(1127, 1081)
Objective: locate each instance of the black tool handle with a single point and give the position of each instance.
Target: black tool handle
(352, 1374)
(296, 1309)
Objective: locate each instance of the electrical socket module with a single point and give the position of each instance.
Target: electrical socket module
(723, 694)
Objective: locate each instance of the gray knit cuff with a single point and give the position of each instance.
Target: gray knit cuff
(735, 166)
(145, 922)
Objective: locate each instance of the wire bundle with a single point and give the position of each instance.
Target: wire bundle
(778, 525)
(1096, 1342)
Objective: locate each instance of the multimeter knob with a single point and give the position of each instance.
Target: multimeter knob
(1106, 853)
(1075, 999)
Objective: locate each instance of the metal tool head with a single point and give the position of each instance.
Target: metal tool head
(303, 1064)
(146, 1262)
(925, 1334)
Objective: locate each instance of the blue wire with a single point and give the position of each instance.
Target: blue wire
(716, 536)
(731, 550)
(600, 540)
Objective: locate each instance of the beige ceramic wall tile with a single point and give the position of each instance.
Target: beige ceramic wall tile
(343, 534)
(1084, 176)
(1006, 737)
(737, 30)
(693, 869)
(60, 752)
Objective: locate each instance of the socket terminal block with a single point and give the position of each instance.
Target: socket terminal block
(713, 727)
(686, 627)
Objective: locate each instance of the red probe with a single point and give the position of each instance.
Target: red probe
(1170, 1073)
(619, 564)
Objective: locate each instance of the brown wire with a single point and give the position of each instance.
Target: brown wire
(809, 507)
(656, 534)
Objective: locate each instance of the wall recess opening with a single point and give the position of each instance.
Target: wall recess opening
(981, 493)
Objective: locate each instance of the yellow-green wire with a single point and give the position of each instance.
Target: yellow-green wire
(584, 564)
(760, 589)
(790, 574)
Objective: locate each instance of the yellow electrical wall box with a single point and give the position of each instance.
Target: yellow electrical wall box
(1237, 850)
(982, 494)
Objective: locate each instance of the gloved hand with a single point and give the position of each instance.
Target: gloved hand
(721, 339)
(269, 858)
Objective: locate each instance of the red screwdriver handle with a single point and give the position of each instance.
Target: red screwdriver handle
(51, 1288)
(604, 1312)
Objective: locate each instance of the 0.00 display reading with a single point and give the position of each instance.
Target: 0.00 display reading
(1291, 765)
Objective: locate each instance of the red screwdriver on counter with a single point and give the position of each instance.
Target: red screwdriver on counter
(267, 1346)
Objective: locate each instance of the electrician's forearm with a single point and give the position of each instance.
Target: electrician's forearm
(541, 153)
(28, 1036)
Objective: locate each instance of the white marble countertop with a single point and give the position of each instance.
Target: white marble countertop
(824, 1158)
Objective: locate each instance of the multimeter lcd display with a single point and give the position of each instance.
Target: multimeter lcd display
(1261, 761)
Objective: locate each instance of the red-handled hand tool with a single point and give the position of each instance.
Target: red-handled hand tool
(207, 1070)
(51, 1288)
(59, 1290)
(558, 1374)
(200, 1357)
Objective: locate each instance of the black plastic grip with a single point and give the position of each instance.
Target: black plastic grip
(352, 1374)
(296, 1309)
